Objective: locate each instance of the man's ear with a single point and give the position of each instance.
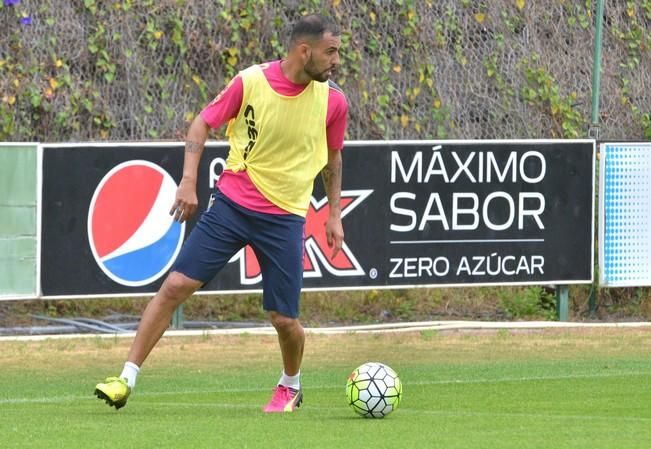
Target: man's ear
(305, 51)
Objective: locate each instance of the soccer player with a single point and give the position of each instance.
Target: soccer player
(286, 125)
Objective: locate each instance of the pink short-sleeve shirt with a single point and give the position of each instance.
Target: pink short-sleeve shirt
(238, 186)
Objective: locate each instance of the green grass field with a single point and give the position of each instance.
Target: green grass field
(543, 389)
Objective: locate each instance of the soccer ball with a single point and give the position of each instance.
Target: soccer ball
(374, 390)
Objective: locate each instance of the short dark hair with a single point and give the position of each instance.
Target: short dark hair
(313, 27)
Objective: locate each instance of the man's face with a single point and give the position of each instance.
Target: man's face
(323, 58)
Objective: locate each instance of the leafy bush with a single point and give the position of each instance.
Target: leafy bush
(141, 69)
(530, 302)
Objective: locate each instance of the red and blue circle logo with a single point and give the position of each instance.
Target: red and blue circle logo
(132, 236)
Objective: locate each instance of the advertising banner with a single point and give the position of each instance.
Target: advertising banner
(18, 220)
(415, 213)
(625, 214)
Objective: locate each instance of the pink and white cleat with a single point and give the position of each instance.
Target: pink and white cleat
(284, 399)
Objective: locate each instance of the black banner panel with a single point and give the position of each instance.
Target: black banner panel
(415, 213)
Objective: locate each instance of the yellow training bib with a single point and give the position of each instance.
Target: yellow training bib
(279, 140)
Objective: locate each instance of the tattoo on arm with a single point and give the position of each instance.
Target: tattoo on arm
(326, 174)
(331, 176)
(193, 147)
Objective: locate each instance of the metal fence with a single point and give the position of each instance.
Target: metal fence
(139, 70)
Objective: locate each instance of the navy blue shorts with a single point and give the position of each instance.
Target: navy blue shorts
(277, 240)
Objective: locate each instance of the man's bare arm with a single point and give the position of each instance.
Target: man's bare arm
(331, 176)
(185, 203)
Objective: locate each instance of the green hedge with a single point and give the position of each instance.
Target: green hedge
(412, 69)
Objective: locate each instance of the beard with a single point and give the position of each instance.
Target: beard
(312, 71)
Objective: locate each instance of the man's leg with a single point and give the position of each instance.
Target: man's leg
(292, 341)
(211, 244)
(156, 318)
(176, 288)
(278, 245)
(288, 395)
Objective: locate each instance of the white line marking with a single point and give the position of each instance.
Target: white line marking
(153, 394)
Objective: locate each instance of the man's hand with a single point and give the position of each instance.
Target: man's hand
(185, 204)
(335, 234)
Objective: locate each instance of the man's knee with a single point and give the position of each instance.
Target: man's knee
(283, 323)
(178, 287)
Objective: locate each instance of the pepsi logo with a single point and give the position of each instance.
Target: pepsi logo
(132, 236)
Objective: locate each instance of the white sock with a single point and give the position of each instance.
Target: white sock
(291, 381)
(130, 373)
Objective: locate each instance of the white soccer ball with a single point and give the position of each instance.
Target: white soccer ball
(374, 390)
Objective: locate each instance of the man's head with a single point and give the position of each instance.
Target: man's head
(315, 40)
